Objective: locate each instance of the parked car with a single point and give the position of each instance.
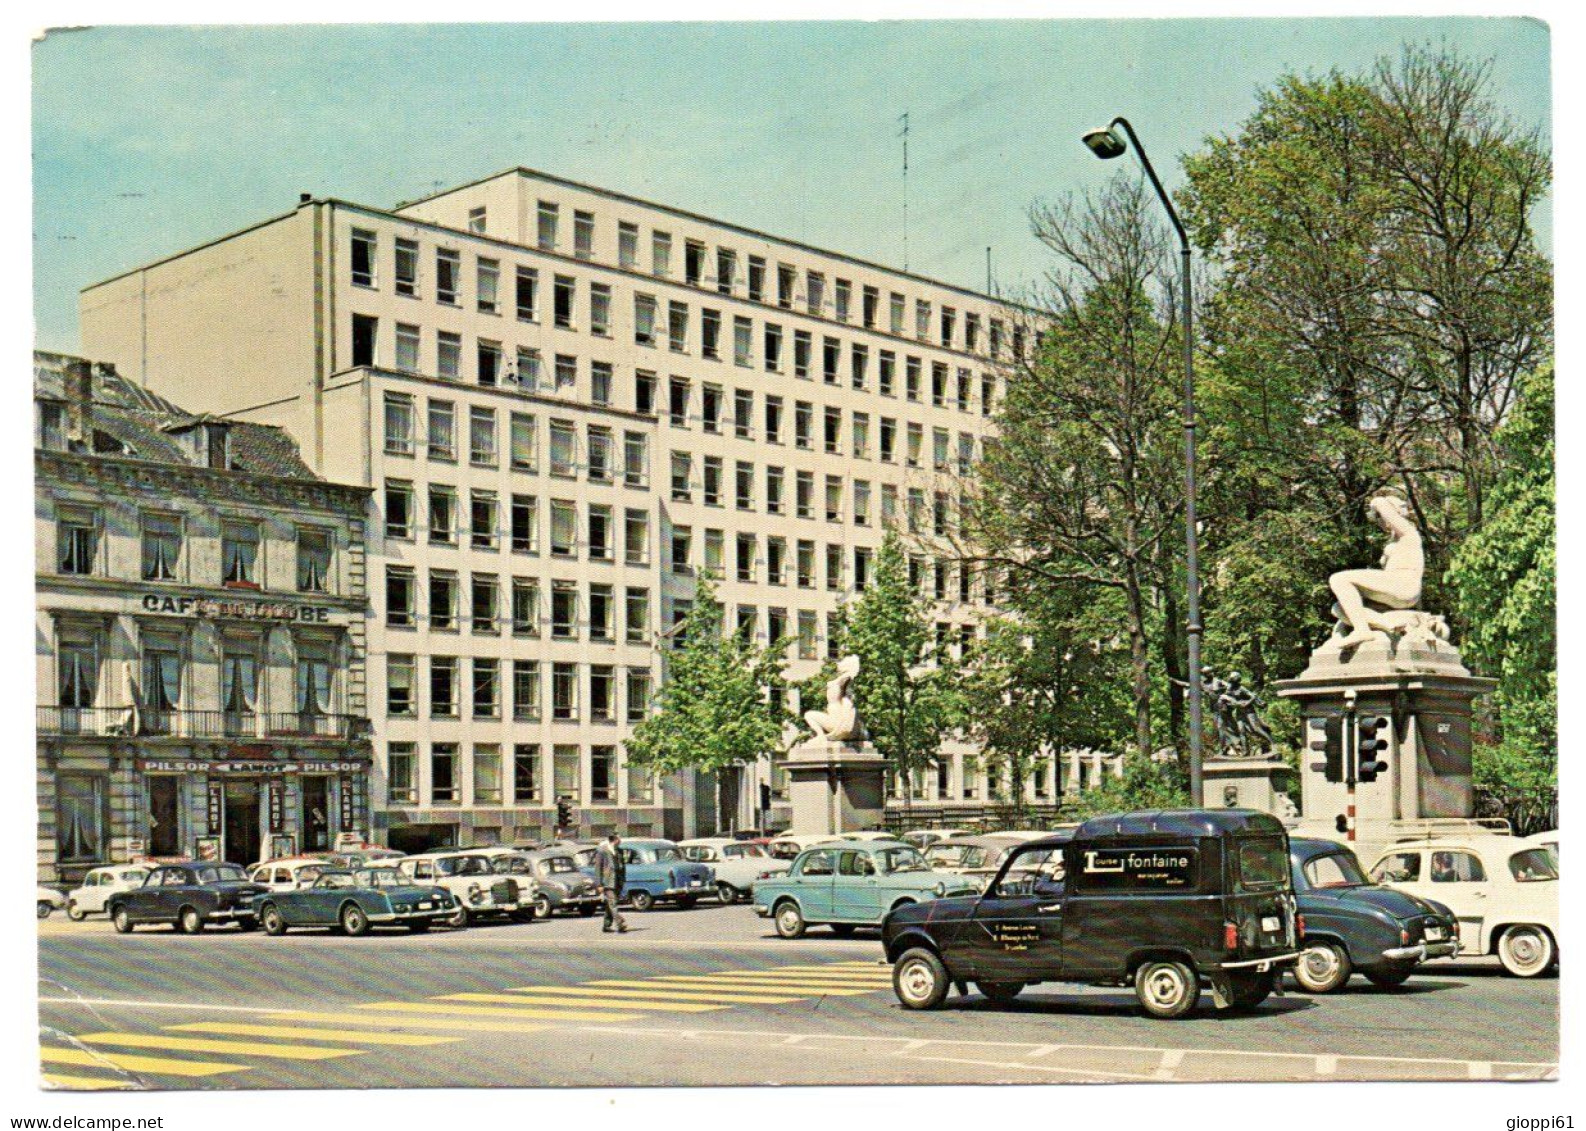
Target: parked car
(190, 896)
(1161, 900)
(363, 855)
(1547, 840)
(657, 871)
(49, 900)
(924, 838)
(99, 885)
(1503, 891)
(560, 884)
(977, 857)
(848, 884)
(1355, 925)
(473, 883)
(355, 900)
(737, 864)
(787, 846)
(289, 872)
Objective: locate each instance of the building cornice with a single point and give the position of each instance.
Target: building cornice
(200, 483)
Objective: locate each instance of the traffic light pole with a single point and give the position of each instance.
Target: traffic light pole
(1351, 762)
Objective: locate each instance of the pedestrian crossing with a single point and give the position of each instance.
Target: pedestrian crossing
(188, 1054)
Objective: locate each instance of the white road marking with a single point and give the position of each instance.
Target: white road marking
(1171, 1059)
(133, 1004)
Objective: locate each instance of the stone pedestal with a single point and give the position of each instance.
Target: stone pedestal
(1425, 692)
(836, 787)
(1248, 783)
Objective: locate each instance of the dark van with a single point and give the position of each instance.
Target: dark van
(1164, 900)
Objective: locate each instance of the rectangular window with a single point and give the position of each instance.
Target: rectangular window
(886, 373)
(525, 525)
(476, 220)
(568, 779)
(547, 225)
(583, 235)
(524, 441)
(443, 686)
(804, 494)
(713, 551)
(488, 363)
(726, 270)
(443, 515)
(896, 312)
(889, 439)
(486, 686)
(443, 600)
(743, 486)
(528, 294)
(566, 371)
(831, 359)
(564, 449)
(482, 520)
(363, 257)
(801, 354)
(487, 284)
(922, 319)
(710, 334)
(939, 443)
(660, 254)
(938, 384)
(399, 596)
(861, 435)
(858, 365)
(773, 420)
(644, 319)
(988, 394)
(916, 443)
(861, 503)
(627, 245)
(966, 452)
(564, 610)
(448, 269)
(77, 541)
(834, 566)
(693, 262)
(635, 459)
(239, 555)
(636, 537)
(598, 447)
(773, 348)
(773, 490)
(971, 332)
(786, 281)
(398, 424)
(682, 472)
(861, 569)
(911, 378)
(526, 690)
(564, 528)
(487, 774)
(600, 382)
(776, 561)
(443, 773)
(743, 413)
(398, 521)
(677, 326)
(526, 774)
(814, 292)
(636, 615)
(449, 355)
(365, 333)
(485, 603)
(600, 309)
(842, 293)
(803, 425)
(638, 694)
(602, 772)
(602, 693)
(562, 300)
(889, 504)
(482, 436)
(871, 301)
(949, 322)
(712, 481)
(401, 696)
(832, 430)
(600, 539)
(564, 693)
(407, 267)
(756, 279)
(525, 607)
(710, 408)
(407, 347)
(804, 564)
(742, 341)
(775, 626)
(745, 550)
(681, 540)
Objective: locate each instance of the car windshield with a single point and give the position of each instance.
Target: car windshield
(133, 877)
(902, 860)
(462, 866)
(945, 855)
(737, 850)
(666, 853)
(221, 874)
(558, 864)
(1262, 862)
(380, 878)
(1532, 865)
(1335, 870)
(336, 880)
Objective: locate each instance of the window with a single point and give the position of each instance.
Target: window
(858, 365)
(635, 459)
(599, 451)
(966, 452)
(889, 504)
(939, 442)
(773, 490)
(773, 420)
(636, 615)
(627, 245)
(804, 494)
(528, 293)
(485, 603)
(448, 268)
(636, 537)
(400, 787)
(583, 235)
(988, 394)
(861, 434)
(746, 548)
(832, 432)
(742, 341)
(644, 392)
(564, 448)
(861, 503)
(756, 279)
(939, 513)
(889, 439)
(710, 334)
(239, 555)
(600, 309)
(482, 436)
(443, 686)
(526, 690)
(77, 666)
(896, 308)
(638, 693)
(564, 692)
(407, 347)
(487, 773)
(786, 280)
(1457, 868)
(713, 551)
(693, 262)
(886, 373)
(449, 355)
(677, 402)
(363, 257)
(564, 610)
(77, 541)
(842, 293)
(482, 519)
(677, 326)
(162, 682)
(398, 424)
(526, 773)
(476, 220)
(407, 267)
(564, 528)
(681, 538)
(600, 382)
(523, 438)
(710, 408)
(871, 301)
(726, 269)
(743, 486)
(743, 413)
(916, 443)
(773, 348)
(834, 566)
(547, 225)
(443, 600)
(525, 607)
(398, 516)
(567, 778)
(712, 481)
(861, 569)
(963, 394)
(313, 560)
(922, 319)
(602, 693)
(682, 470)
(660, 254)
(399, 600)
(948, 323)
(814, 292)
(443, 773)
(487, 283)
(364, 332)
(525, 519)
(748, 621)
(566, 371)
(911, 378)
(801, 354)
(805, 564)
(938, 384)
(80, 814)
(776, 561)
(401, 696)
(600, 540)
(831, 357)
(803, 418)
(562, 300)
(971, 332)
(486, 686)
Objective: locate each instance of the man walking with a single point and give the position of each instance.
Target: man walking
(611, 873)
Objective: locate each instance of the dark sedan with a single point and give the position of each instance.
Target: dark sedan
(1355, 926)
(190, 897)
(353, 901)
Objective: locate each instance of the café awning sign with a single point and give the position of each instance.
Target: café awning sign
(257, 766)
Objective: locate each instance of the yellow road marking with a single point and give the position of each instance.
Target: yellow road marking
(795, 979)
(206, 1044)
(488, 1011)
(303, 1032)
(662, 993)
(158, 1065)
(445, 1023)
(798, 989)
(749, 996)
(85, 1083)
(582, 1002)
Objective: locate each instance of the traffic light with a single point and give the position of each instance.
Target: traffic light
(1371, 742)
(564, 813)
(1327, 739)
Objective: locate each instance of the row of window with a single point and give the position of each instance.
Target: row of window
(579, 692)
(574, 614)
(80, 536)
(493, 779)
(758, 281)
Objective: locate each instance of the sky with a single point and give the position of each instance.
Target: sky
(148, 140)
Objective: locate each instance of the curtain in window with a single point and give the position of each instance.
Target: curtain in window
(159, 555)
(239, 551)
(238, 682)
(313, 685)
(79, 669)
(441, 434)
(313, 565)
(80, 833)
(162, 680)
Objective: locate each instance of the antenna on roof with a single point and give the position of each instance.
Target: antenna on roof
(905, 136)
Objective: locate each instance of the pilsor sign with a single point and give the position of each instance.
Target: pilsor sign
(233, 609)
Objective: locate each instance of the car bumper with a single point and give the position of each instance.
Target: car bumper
(762, 910)
(233, 914)
(679, 893)
(1420, 952)
(1260, 965)
(411, 916)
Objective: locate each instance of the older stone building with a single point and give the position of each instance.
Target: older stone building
(200, 630)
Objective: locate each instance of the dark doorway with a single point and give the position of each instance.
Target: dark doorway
(421, 838)
(242, 822)
(165, 816)
(316, 814)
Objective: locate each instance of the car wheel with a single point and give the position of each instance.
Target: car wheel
(726, 893)
(74, 913)
(542, 906)
(189, 921)
(353, 921)
(247, 925)
(523, 914)
(418, 926)
(842, 930)
(1322, 968)
(1000, 992)
(1389, 978)
(273, 921)
(121, 920)
(459, 920)
(1525, 950)
(1248, 990)
(920, 980)
(789, 920)
(643, 900)
(1167, 988)
(44, 909)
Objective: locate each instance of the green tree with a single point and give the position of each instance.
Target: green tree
(720, 706)
(1146, 784)
(1505, 577)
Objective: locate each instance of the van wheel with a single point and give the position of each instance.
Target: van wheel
(121, 920)
(789, 920)
(1000, 992)
(1248, 990)
(920, 980)
(643, 900)
(1166, 988)
(1322, 968)
(1525, 950)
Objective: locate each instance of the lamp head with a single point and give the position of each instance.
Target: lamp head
(1104, 144)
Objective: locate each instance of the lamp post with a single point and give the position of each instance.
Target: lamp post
(1106, 144)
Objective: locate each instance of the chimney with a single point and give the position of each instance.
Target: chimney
(79, 405)
(304, 197)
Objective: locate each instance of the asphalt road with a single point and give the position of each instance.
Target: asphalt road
(701, 997)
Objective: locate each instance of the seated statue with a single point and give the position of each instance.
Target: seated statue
(839, 722)
(1372, 601)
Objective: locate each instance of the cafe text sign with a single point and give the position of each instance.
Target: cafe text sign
(233, 608)
(246, 766)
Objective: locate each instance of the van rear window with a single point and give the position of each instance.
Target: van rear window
(1137, 869)
(1262, 862)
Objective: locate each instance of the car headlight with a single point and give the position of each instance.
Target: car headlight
(941, 887)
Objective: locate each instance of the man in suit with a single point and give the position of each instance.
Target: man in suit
(611, 872)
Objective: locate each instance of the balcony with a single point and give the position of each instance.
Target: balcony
(119, 722)
(90, 721)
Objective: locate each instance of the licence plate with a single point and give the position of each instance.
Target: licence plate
(1271, 923)
(694, 883)
(426, 905)
(1435, 934)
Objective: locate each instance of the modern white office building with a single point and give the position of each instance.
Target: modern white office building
(568, 402)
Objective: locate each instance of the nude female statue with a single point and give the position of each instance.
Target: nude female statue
(839, 722)
(1396, 585)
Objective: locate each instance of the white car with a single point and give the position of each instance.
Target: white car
(737, 864)
(99, 885)
(470, 875)
(1503, 891)
(1547, 840)
(924, 838)
(788, 845)
(49, 900)
(289, 872)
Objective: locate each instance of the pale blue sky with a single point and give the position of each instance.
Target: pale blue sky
(149, 140)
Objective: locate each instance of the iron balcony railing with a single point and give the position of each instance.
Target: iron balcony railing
(112, 722)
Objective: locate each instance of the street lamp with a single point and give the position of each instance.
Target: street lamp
(1106, 144)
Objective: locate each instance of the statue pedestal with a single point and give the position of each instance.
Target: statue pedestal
(836, 787)
(1247, 783)
(1426, 692)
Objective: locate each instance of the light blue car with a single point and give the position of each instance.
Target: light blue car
(657, 871)
(851, 883)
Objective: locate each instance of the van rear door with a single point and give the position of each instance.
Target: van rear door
(1261, 898)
